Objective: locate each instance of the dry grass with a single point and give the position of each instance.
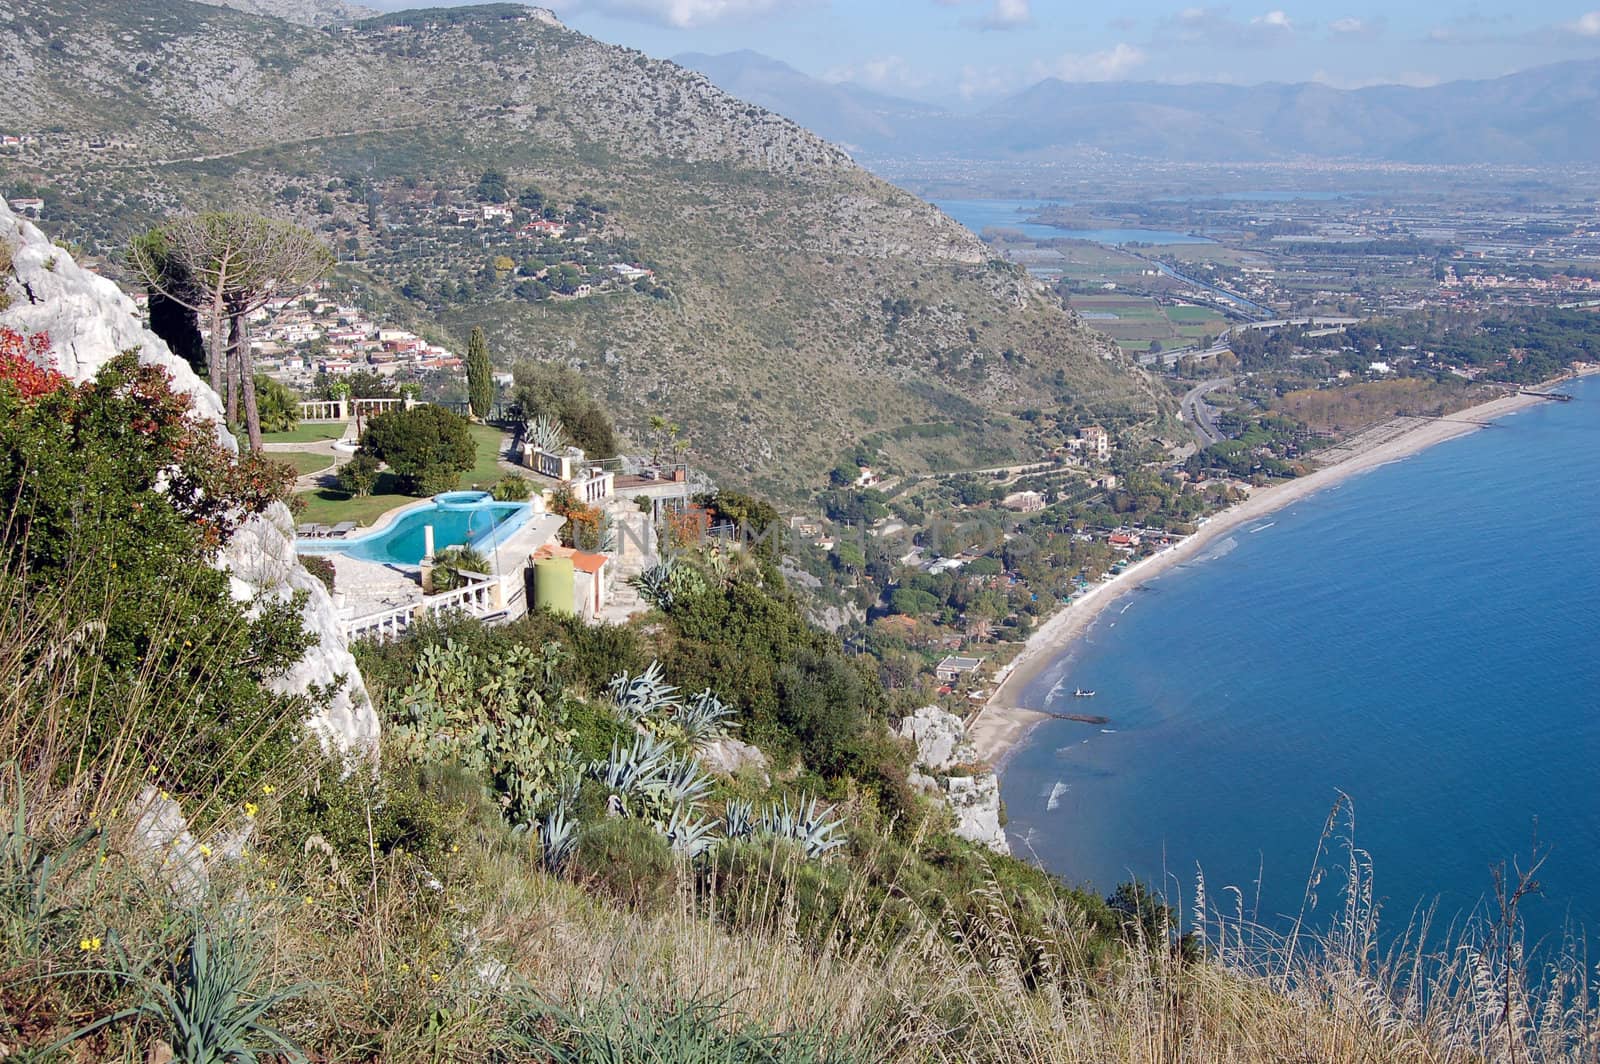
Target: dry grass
(431, 959)
(410, 967)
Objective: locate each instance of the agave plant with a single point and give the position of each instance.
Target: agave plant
(688, 835)
(545, 433)
(703, 719)
(210, 1003)
(739, 819)
(558, 837)
(636, 769)
(645, 695)
(682, 783)
(655, 583)
(806, 823)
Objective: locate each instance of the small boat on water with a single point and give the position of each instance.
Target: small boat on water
(1081, 693)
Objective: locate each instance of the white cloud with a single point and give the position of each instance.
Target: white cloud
(1347, 25)
(1112, 64)
(1002, 14)
(886, 73)
(1215, 27)
(1009, 15)
(1586, 25)
(682, 14)
(1411, 79)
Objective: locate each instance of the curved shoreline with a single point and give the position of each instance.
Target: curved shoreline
(1003, 722)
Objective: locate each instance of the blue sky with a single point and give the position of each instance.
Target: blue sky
(975, 50)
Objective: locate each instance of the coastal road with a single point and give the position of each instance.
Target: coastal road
(1200, 415)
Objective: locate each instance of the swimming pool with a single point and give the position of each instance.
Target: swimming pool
(469, 518)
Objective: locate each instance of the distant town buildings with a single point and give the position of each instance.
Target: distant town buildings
(295, 338)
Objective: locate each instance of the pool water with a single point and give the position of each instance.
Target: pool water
(458, 518)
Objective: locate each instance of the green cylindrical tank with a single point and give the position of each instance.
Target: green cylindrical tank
(553, 585)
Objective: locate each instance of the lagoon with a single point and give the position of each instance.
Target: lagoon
(978, 215)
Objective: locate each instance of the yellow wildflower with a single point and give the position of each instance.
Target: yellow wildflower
(165, 797)
(250, 810)
(309, 900)
(267, 788)
(434, 976)
(205, 851)
(404, 967)
(89, 945)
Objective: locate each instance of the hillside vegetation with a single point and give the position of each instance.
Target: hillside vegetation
(810, 303)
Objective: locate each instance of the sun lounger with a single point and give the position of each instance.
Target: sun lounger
(305, 531)
(342, 529)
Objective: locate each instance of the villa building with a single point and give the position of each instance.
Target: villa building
(952, 668)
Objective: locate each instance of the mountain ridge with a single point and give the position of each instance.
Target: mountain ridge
(812, 304)
(1551, 112)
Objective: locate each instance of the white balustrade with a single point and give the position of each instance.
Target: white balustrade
(483, 596)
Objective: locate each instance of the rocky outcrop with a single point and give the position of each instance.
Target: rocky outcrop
(730, 757)
(941, 768)
(90, 321)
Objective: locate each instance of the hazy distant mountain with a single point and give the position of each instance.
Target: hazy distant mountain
(853, 117)
(1550, 114)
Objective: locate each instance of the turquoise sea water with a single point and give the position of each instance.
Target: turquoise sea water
(1424, 637)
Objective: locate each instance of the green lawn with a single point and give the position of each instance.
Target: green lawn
(303, 461)
(326, 506)
(306, 433)
(486, 470)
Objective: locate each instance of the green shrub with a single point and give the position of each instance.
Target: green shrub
(321, 567)
(358, 476)
(450, 564)
(503, 719)
(512, 488)
(356, 807)
(120, 497)
(427, 446)
(626, 860)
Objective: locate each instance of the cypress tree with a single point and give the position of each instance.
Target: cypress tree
(480, 377)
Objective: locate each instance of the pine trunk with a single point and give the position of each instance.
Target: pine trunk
(247, 375)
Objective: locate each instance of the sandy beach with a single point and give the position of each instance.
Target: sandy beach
(1002, 722)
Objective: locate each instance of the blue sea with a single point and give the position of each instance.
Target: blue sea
(1424, 638)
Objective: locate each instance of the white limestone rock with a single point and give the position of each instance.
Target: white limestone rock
(729, 757)
(975, 801)
(90, 322)
(161, 840)
(941, 743)
(939, 736)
